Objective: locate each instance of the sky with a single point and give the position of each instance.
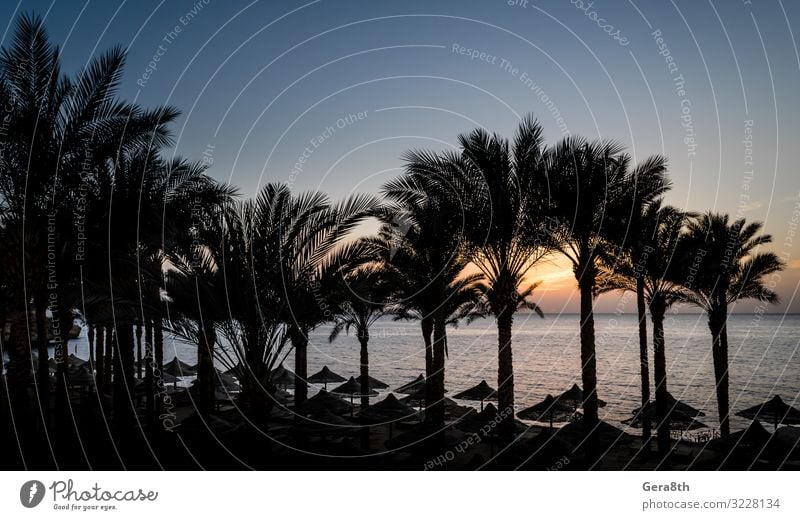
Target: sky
(328, 94)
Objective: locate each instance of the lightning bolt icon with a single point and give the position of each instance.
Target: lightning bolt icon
(33, 490)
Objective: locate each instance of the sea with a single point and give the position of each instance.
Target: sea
(764, 359)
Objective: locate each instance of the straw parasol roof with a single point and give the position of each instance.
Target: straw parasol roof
(374, 384)
(574, 397)
(548, 410)
(774, 411)
(673, 404)
(223, 387)
(412, 387)
(352, 388)
(325, 400)
(481, 421)
(178, 368)
(755, 435)
(325, 376)
(389, 409)
(282, 376)
(322, 423)
(480, 392)
(677, 420)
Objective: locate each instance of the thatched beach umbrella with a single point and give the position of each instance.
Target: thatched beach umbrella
(480, 392)
(352, 389)
(412, 387)
(374, 384)
(774, 411)
(452, 410)
(282, 376)
(574, 398)
(325, 400)
(388, 410)
(674, 405)
(679, 421)
(325, 376)
(548, 410)
(178, 368)
(754, 436)
(481, 422)
(322, 423)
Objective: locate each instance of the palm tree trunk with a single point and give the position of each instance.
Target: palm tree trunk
(18, 379)
(505, 370)
(19, 367)
(148, 373)
(41, 346)
(363, 339)
(205, 367)
(427, 333)
(717, 323)
(158, 349)
(299, 340)
(434, 413)
(588, 359)
(61, 354)
(644, 363)
(123, 373)
(64, 421)
(660, 374)
(139, 349)
(99, 358)
(109, 357)
(90, 343)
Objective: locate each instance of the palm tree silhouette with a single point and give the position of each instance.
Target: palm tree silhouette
(497, 217)
(585, 185)
(255, 337)
(66, 131)
(364, 297)
(646, 182)
(656, 272)
(722, 264)
(422, 247)
(306, 249)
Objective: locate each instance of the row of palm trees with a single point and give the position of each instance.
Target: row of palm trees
(97, 224)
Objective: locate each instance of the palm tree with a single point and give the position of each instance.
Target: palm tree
(199, 294)
(656, 272)
(489, 201)
(363, 299)
(174, 202)
(422, 245)
(304, 238)
(255, 337)
(721, 265)
(65, 132)
(646, 183)
(584, 186)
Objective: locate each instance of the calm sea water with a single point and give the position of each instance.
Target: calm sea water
(764, 358)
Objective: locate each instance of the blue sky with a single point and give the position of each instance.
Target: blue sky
(349, 85)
